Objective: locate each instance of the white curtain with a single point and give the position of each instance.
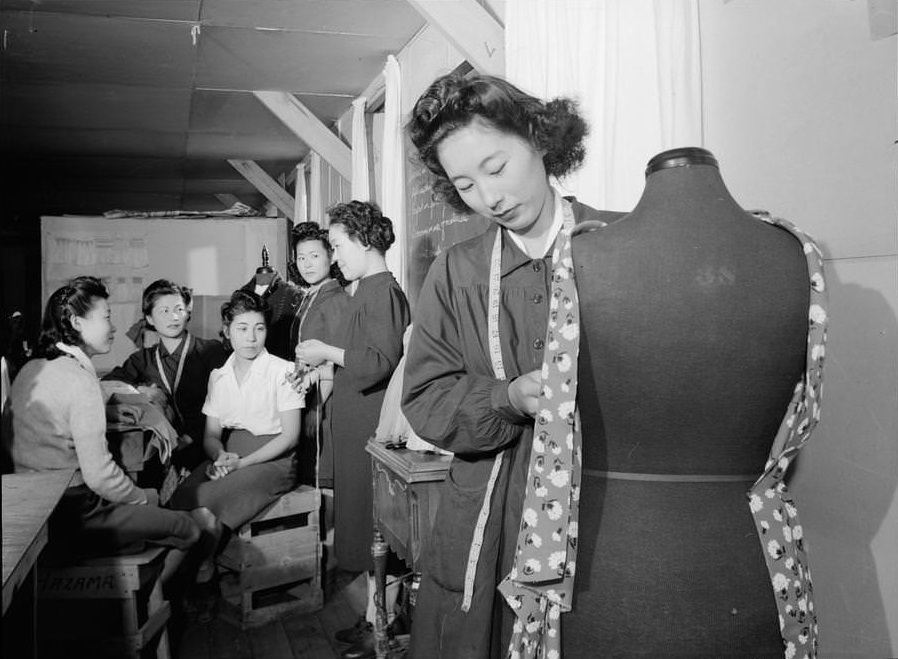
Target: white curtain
(361, 190)
(634, 67)
(393, 170)
(300, 197)
(316, 207)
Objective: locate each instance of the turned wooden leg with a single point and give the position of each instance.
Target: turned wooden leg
(379, 549)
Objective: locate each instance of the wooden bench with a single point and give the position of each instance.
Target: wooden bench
(110, 606)
(271, 567)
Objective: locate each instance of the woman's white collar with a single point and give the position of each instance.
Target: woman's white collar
(78, 354)
(557, 223)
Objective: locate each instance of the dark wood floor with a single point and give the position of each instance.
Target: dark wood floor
(310, 635)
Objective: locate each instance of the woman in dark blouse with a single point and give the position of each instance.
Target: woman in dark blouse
(365, 356)
(320, 315)
(492, 149)
(179, 365)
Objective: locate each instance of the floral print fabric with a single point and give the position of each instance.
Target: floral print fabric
(540, 585)
(775, 514)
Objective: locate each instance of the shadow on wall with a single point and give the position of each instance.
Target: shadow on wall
(845, 482)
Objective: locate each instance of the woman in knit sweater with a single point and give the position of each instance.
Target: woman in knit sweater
(59, 422)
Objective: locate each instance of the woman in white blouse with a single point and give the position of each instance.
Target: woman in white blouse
(252, 427)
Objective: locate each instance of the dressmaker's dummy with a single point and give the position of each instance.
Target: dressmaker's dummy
(265, 274)
(283, 298)
(694, 322)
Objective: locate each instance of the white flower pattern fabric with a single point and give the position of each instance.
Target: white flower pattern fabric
(775, 514)
(541, 582)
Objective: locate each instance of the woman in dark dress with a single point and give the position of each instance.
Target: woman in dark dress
(472, 384)
(320, 315)
(365, 357)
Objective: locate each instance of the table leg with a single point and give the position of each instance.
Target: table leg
(33, 578)
(379, 549)
(20, 621)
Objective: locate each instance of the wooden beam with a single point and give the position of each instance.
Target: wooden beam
(282, 199)
(471, 29)
(298, 118)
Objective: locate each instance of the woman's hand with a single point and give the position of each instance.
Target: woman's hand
(123, 413)
(156, 395)
(523, 392)
(312, 352)
(152, 496)
(224, 464)
(295, 378)
(302, 381)
(309, 380)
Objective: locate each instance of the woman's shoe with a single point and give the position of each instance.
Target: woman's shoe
(364, 649)
(356, 633)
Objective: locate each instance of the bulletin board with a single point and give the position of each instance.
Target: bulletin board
(433, 226)
(212, 256)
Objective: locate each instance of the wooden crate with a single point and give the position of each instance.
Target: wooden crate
(272, 565)
(105, 607)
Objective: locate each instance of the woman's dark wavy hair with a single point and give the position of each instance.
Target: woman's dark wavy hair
(453, 101)
(364, 221)
(242, 301)
(306, 231)
(160, 288)
(76, 298)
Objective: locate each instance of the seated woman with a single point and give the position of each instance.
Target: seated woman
(320, 315)
(59, 422)
(252, 426)
(179, 365)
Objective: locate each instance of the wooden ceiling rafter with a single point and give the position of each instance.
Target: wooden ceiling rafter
(309, 129)
(471, 29)
(272, 190)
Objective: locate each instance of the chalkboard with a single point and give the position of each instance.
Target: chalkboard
(433, 226)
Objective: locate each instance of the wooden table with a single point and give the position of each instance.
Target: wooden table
(406, 495)
(28, 500)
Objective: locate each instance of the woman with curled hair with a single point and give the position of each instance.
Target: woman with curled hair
(365, 355)
(476, 356)
(554, 129)
(252, 426)
(59, 422)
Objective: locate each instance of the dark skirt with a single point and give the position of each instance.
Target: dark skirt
(314, 440)
(241, 495)
(85, 525)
